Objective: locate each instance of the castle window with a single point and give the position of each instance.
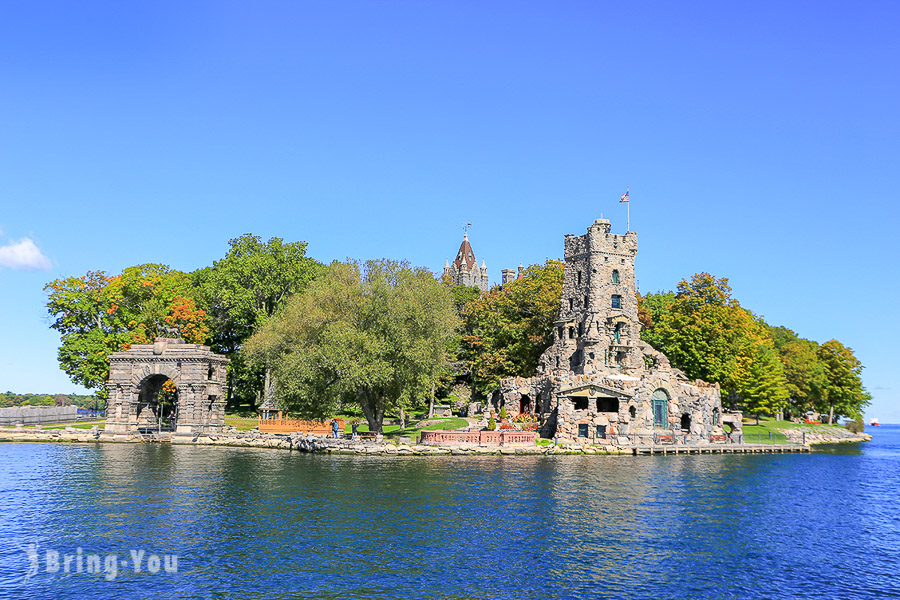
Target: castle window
(632, 412)
(586, 301)
(615, 277)
(715, 417)
(559, 330)
(616, 301)
(591, 355)
(601, 432)
(580, 403)
(623, 261)
(608, 404)
(571, 303)
(580, 329)
(557, 362)
(571, 333)
(582, 430)
(579, 277)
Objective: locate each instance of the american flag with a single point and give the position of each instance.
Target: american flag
(624, 197)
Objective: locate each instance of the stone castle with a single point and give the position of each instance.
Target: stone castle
(598, 382)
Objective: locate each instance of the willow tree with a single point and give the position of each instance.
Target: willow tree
(375, 334)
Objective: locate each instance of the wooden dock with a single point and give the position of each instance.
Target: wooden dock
(666, 449)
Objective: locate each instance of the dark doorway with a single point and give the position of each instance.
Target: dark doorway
(525, 405)
(685, 422)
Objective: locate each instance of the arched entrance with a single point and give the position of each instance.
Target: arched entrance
(166, 386)
(660, 403)
(525, 405)
(157, 408)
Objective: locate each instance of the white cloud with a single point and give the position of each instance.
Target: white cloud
(23, 255)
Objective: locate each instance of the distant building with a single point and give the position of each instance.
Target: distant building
(465, 270)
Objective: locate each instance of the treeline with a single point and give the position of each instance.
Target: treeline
(221, 305)
(86, 402)
(386, 337)
(763, 369)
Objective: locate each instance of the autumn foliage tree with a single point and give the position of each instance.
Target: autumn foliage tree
(97, 314)
(506, 330)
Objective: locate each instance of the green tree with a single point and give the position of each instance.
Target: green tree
(506, 330)
(705, 332)
(242, 291)
(803, 370)
(843, 394)
(764, 388)
(97, 315)
(376, 335)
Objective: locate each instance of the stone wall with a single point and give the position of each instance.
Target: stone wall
(38, 415)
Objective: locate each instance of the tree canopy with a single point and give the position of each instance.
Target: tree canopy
(97, 315)
(374, 334)
(506, 330)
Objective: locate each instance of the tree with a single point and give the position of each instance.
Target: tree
(705, 332)
(375, 334)
(97, 315)
(243, 290)
(764, 389)
(803, 370)
(506, 330)
(843, 394)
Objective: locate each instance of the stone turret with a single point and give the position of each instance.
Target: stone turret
(597, 331)
(465, 270)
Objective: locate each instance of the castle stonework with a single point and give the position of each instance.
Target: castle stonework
(598, 382)
(137, 375)
(465, 270)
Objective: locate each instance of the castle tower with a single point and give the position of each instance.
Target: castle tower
(598, 331)
(465, 270)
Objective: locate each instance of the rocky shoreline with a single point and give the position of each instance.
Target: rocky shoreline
(831, 435)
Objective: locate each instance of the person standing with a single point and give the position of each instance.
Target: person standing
(334, 428)
(354, 427)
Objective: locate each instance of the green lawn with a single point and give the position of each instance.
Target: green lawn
(769, 430)
(77, 425)
(394, 431)
(241, 423)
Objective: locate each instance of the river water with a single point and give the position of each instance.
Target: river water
(272, 524)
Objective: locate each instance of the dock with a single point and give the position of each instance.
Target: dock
(666, 449)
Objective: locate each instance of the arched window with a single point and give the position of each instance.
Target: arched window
(632, 412)
(615, 277)
(660, 402)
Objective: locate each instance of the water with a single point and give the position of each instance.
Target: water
(256, 523)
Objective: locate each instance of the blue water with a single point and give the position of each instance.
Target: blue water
(255, 523)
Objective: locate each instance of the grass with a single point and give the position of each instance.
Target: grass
(76, 425)
(769, 431)
(241, 423)
(394, 431)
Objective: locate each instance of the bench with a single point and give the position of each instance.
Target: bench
(718, 439)
(665, 439)
(366, 435)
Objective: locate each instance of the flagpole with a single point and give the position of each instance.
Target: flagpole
(628, 210)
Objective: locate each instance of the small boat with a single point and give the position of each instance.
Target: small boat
(874, 423)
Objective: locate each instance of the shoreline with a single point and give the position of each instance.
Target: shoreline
(313, 444)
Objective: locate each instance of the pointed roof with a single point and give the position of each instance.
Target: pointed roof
(465, 256)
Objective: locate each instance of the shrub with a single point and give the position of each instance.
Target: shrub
(502, 412)
(856, 426)
(492, 424)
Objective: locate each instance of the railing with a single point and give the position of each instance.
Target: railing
(507, 437)
(299, 426)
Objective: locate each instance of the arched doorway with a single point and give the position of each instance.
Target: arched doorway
(660, 403)
(157, 408)
(525, 405)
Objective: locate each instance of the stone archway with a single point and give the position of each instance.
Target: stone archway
(136, 375)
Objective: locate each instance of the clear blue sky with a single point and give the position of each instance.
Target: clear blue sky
(760, 140)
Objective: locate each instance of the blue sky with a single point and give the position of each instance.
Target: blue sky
(760, 141)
